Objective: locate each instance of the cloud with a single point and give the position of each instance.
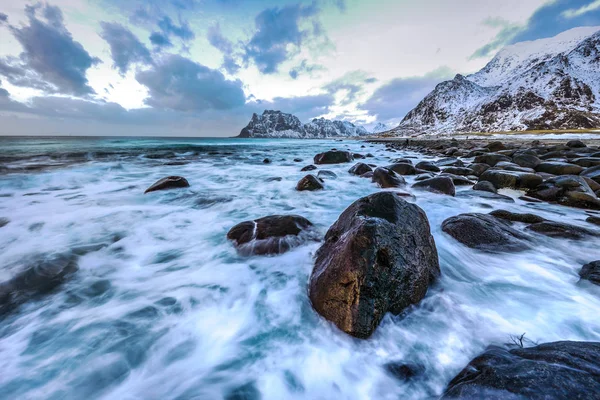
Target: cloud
(51, 60)
(278, 34)
(160, 40)
(3, 18)
(304, 107)
(306, 68)
(177, 83)
(216, 39)
(183, 31)
(549, 20)
(395, 99)
(351, 85)
(125, 48)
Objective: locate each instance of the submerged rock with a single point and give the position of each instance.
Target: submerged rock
(593, 220)
(274, 234)
(333, 157)
(378, 257)
(485, 186)
(561, 230)
(325, 174)
(403, 168)
(591, 272)
(308, 168)
(4, 222)
(170, 182)
(359, 169)
(309, 182)
(440, 184)
(485, 232)
(427, 166)
(559, 370)
(387, 178)
(516, 217)
(404, 372)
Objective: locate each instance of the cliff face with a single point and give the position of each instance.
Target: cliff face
(544, 84)
(276, 124)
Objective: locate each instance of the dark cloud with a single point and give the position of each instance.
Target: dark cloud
(306, 68)
(50, 55)
(159, 40)
(3, 18)
(278, 32)
(304, 107)
(216, 39)
(177, 83)
(549, 20)
(18, 74)
(125, 47)
(182, 31)
(396, 98)
(352, 84)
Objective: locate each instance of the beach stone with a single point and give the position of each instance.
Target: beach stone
(587, 162)
(387, 178)
(325, 174)
(516, 217)
(478, 168)
(495, 146)
(559, 168)
(593, 220)
(427, 166)
(274, 234)
(4, 222)
(592, 173)
(403, 169)
(557, 371)
(170, 182)
(464, 171)
(423, 176)
(450, 162)
(359, 169)
(310, 183)
(526, 160)
(404, 372)
(457, 179)
(266, 161)
(491, 159)
(511, 179)
(333, 157)
(309, 168)
(485, 232)
(378, 257)
(575, 144)
(402, 161)
(440, 184)
(561, 230)
(480, 194)
(485, 186)
(591, 272)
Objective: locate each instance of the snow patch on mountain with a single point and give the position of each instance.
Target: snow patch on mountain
(380, 127)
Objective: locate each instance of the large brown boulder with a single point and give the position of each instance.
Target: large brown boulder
(378, 257)
(359, 169)
(439, 184)
(333, 157)
(170, 182)
(310, 183)
(511, 179)
(274, 234)
(386, 178)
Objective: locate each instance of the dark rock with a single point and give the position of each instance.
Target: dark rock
(274, 179)
(557, 371)
(309, 182)
(478, 168)
(516, 217)
(170, 182)
(387, 178)
(592, 173)
(526, 160)
(368, 175)
(458, 171)
(4, 222)
(485, 195)
(244, 392)
(449, 162)
(359, 169)
(511, 179)
(358, 156)
(561, 230)
(422, 177)
(485, 186)
(593, 220)
(457, 179)
(508, 166)
(428, 166)
(402, 161)
(495, 146)
(559, 168)
(297, 160)
(266, 161)
(568, 190)
(440, 184)
(591, 272)
(491, 159)
(403, 169)
(274, 234)
(325, 174)
(308, 168)
(529, 199)
(404, 372)
(484, 232)
(587, 162)
(575, 144)
(333, 157)
(378, 257)
(37, 276)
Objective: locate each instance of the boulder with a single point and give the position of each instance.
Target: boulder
(480, 194)
(591, 272)
(491, 159)
(464, 171)
(170, 182)
(592, 173)
(404, 372)
(557, 371)
(387, 178)
(309, 182)
(561, 230)
(402, 161)
(593, 220)
(511, 179)
(485, 186)
(309, 168)
(4, 222)
(423, 176)
(450, 162)
(575, 144)
(516, 217)
(325, 174)
(495, 146)
(359, 169)
(403, 169)
(440, 184)
(508, 166)
(568, 190)
(378, 257)
(457, 179)
(485, 232)
(333, 157)
(266, 161)
(427, 166)
(526, 160)
(478, 168)
(559, 168)
(586, 162)
(274, 234)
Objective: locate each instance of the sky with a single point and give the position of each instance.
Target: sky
(202, 67)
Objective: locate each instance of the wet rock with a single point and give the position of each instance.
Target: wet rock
(478, 168)
(297, 160)
(309, 182)
(508, 166)
(359, 169)
(591, 272)
(559, 370)
(592, 173)
(458, 180)
(530, 199)
(593, 220)
(526, 160)
(244, 392)
(4, 222)
(170, 182)
(485, 232)
(587, 162)
(479, 194)
(266, 161)
(387, 178)
(511, 179)
(422, 177)
(274, 234)
(274, 179)
(358, 156)
(404, 372)
(568, 190)
(378, 257)
(559, 168)
(450, 162)
(308, 168)
(37, 276)
(325, 174)
(495, 146)
(561, 230)
(403, 169)
(427, 166)
(333, 157)
(516, 217)
(368, 175)
(402, 161)
(485, 186)
(464, 171)
(440, 184)
(491, 159)
(575, 144)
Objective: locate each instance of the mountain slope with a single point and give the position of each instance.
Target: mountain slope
(276, 124)
(544, 84)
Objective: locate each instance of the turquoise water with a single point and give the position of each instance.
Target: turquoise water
(163, 307)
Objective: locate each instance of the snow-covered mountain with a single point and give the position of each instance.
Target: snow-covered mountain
(549, 83)
(276, 124)
(380, 127)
